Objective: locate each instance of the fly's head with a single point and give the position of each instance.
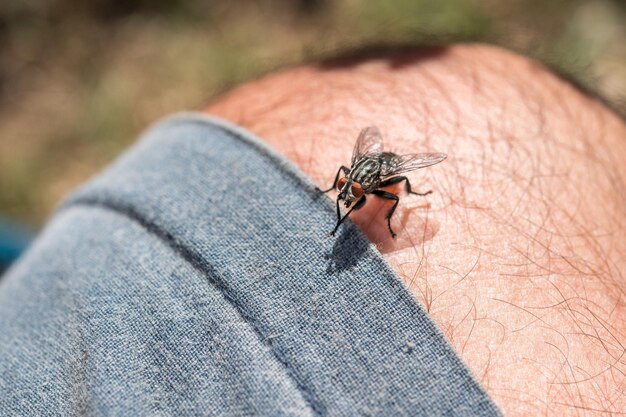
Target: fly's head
(349, 191)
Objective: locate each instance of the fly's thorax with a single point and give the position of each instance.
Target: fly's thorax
(366, 172)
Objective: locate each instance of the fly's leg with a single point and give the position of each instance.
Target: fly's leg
(345, 170)
(407, 184)
(340, 219)
(389, 196)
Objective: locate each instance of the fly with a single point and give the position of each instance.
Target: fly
(372, 169)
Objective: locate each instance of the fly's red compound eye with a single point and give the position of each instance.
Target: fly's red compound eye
(341, 182)
(357, 190)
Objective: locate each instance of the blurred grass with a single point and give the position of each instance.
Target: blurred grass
(79, 80)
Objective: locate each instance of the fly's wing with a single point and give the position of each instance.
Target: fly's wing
(397, 164)
(369, 142)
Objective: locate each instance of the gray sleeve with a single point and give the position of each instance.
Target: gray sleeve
(195, 277)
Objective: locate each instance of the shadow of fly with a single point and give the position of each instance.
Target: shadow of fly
(372, 169)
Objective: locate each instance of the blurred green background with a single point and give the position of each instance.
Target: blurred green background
(79, 79)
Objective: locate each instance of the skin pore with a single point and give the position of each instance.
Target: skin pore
(519, 253)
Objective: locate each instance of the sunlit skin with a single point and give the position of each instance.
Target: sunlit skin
(518, 253)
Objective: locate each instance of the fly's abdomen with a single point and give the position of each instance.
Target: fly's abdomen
(388, 163)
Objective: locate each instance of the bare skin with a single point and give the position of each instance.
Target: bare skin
(519, 253)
